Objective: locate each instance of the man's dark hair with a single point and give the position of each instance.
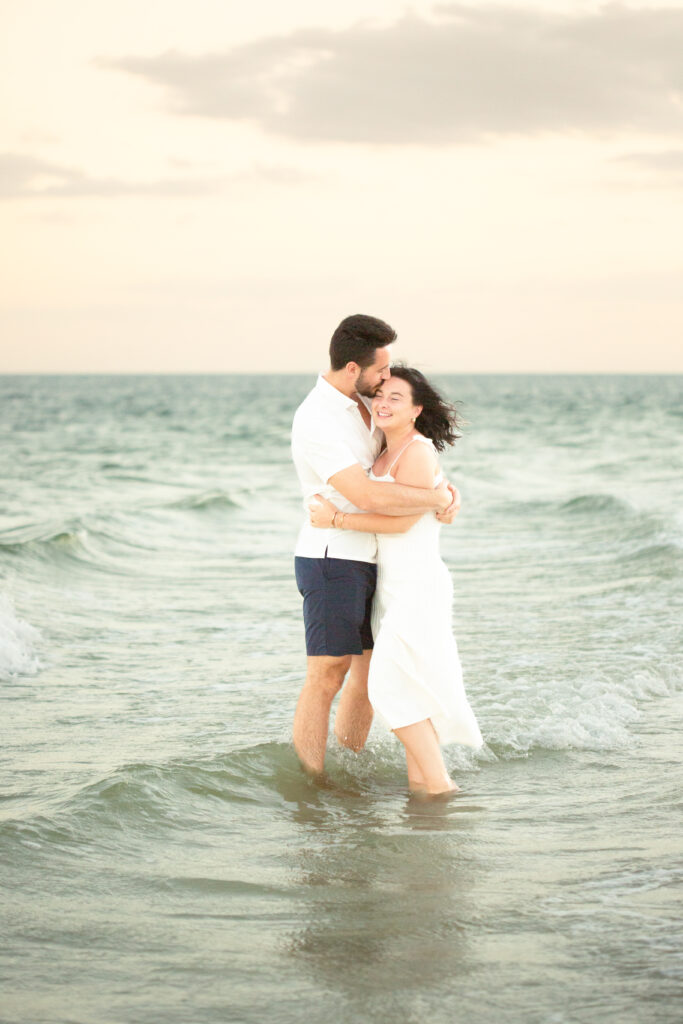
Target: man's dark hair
(356, 339)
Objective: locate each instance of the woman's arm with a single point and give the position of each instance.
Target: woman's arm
(324, 514)
(375, 522)
(416, 467)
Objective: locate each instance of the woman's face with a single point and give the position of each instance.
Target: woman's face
(393, 407)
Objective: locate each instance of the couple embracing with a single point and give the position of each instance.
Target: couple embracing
(376, 594)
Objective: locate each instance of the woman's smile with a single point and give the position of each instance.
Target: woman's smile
(393, 405)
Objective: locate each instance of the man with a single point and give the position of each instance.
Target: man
(334, 443)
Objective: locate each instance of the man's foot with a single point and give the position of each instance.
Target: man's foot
(352, 743)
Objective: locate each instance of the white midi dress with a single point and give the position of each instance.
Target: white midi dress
(415, 670)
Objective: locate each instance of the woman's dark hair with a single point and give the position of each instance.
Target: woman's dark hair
(438, 420)
(356, 339)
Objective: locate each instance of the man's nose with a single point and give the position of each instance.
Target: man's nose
(386, 374)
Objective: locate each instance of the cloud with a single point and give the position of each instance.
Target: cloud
(667, 162)
(466, 74)
(28, 177)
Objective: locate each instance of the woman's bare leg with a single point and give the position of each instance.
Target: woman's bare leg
(416, 779)
(423, 747)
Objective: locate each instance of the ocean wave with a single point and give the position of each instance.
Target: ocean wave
(597, 504)
(176, 793)
(664, 560)
(207, 500)
(63, 534)
(605, 508)
(591, 713)
(19, 644)
(73, 541)
(179, 795)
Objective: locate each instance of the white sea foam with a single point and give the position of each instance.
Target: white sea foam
(593, 712)
(19, 644)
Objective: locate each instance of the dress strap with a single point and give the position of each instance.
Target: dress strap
(418, 437)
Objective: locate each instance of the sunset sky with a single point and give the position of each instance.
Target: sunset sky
(211, 185)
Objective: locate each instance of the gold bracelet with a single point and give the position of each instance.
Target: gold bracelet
(334, 517)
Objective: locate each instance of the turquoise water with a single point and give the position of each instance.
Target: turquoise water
(164, 859)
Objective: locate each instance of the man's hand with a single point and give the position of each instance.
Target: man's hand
(449, 514)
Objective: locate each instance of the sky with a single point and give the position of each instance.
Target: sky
(211, 186)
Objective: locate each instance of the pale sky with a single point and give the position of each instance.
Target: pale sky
(207, 185)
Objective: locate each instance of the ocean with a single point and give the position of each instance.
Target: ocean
(164, 859)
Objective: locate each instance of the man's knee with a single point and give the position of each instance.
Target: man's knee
(327, 673)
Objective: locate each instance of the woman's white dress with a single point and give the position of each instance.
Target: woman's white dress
(415, 670)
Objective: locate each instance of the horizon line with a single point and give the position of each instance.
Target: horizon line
(306, 373)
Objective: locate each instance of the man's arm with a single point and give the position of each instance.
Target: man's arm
(391, 499)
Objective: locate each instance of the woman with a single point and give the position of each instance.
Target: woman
(415, 682)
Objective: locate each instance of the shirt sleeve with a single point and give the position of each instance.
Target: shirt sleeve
(324, 453)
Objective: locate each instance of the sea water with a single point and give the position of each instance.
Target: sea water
(164, 859)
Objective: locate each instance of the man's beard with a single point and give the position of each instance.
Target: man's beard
(364, 388)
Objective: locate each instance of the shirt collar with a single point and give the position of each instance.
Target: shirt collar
(331, 394)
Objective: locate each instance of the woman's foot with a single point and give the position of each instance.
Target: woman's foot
(424, 760)
(440, 790)
(418, 788)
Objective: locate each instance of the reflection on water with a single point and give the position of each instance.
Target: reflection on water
(387, 892)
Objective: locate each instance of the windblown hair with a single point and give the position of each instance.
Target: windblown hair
(439, 419)
(356, 339)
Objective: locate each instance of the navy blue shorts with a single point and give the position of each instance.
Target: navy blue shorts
(337, 595)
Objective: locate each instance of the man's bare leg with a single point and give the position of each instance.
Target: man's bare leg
(354, 712)
(324, 678)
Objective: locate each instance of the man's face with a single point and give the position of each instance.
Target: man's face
(370, 379)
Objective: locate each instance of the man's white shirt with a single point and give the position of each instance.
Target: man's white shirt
(328, 435)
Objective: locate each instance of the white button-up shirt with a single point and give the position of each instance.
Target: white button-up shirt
(328, 435)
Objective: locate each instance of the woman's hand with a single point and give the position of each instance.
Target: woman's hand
(321, 512)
